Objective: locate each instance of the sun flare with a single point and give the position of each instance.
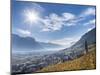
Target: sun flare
(31, 16)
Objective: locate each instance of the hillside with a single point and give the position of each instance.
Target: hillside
(87, 61)
(90, 37)
(80, 56)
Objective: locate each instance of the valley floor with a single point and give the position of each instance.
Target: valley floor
(88, 61)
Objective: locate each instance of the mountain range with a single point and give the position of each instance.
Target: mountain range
(74, 53)
(29, 43)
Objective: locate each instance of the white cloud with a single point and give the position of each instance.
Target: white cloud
(66, 42)
(89, 29)
(82, 16)
(88, 12)
(68, 16)
(91, 22)
(45, 29)
(24, 32)
(55, 22)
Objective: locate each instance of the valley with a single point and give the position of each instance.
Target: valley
(80, 56)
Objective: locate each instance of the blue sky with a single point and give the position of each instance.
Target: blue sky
(49, 22)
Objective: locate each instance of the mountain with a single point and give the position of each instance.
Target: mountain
(90, 37)
(85, 62)
(25, 43)
(78, 48)
(75, 51)
(67, 59)
(75, 54)
(29, 43)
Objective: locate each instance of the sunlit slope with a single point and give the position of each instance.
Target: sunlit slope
(87, 61)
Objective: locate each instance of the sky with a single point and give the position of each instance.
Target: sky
(62, 24)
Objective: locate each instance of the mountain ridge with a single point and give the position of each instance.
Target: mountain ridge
(28, 43)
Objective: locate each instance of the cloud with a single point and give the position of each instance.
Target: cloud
(45, 29)
(66, 42)
(55, 22)
(89, 29)
(24, 32)
(68, 16)
(90, 22)
(88, 12)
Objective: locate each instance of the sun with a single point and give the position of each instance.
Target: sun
(31, 16)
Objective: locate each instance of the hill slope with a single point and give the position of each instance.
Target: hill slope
(87, 61)
(90, 37)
